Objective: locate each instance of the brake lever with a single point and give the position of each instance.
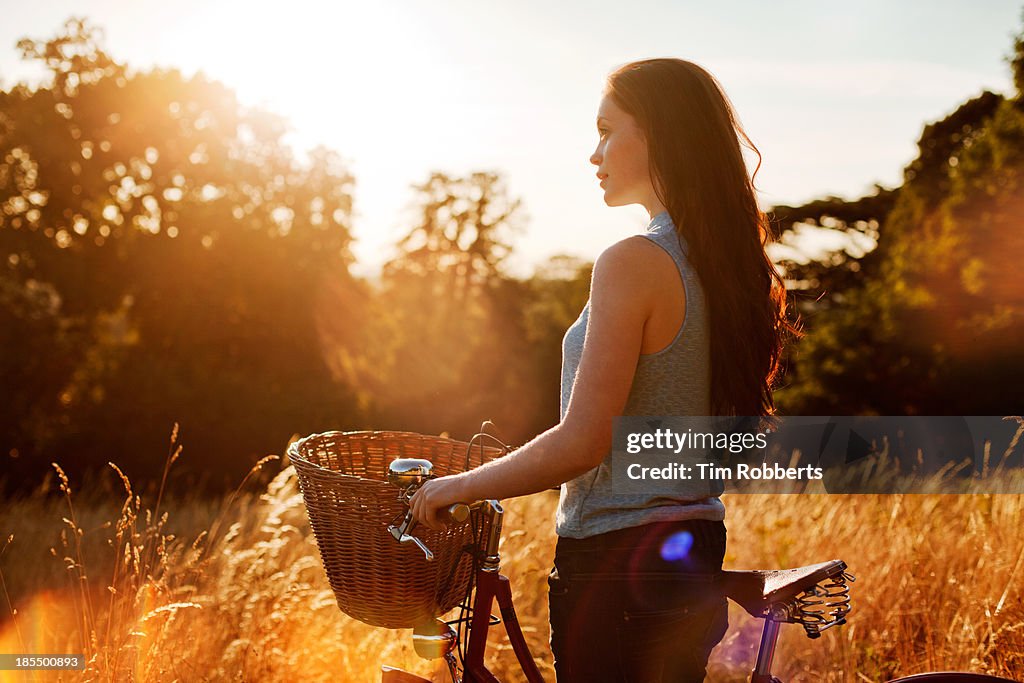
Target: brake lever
(402, 535)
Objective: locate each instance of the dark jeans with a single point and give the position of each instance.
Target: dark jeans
(636, 605)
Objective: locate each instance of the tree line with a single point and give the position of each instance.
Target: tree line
(165, 258)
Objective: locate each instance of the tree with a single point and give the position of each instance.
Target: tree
(187, 253)
(446, 336)
(459, 234)
(935, 324)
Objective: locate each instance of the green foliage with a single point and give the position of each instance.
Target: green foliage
(839, 270)
(935, 325)
(166, 259)
(450, 344)
(163, 258)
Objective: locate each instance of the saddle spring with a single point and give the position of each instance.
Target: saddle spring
(820, 607)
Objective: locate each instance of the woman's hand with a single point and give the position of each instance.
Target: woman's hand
(432, 496)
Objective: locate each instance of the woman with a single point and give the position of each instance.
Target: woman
(687, 318)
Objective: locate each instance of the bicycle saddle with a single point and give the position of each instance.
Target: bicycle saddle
(756, 589)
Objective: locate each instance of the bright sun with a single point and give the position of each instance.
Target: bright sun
(372, 81)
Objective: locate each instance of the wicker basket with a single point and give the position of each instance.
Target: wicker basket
(376, 579)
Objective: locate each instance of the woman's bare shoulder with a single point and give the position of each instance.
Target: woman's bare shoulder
(639, 257)
(625, 267)
(635, 248)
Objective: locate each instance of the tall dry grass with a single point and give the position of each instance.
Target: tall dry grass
(244, 596)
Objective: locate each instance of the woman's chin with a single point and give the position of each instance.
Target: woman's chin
(611, 201)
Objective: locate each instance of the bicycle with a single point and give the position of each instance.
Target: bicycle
(815, 596)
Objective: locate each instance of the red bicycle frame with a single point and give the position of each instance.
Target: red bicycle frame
(490, 586)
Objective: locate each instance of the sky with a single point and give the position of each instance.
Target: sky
(833, 94)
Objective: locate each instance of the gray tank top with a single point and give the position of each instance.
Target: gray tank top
(673, 381)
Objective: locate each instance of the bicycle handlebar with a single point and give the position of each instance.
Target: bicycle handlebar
(456, 513)
(408, 474)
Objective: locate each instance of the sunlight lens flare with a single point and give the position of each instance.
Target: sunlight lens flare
(677, 546)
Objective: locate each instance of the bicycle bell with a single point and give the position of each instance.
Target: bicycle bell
(406, 472)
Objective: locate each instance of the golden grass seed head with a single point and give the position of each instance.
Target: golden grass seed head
(65, 487)
(124, 479)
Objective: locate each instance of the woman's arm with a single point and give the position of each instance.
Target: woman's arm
(621, 298)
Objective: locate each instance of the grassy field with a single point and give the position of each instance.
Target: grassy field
(191, 590)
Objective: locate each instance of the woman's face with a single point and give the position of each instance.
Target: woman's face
(621, 159)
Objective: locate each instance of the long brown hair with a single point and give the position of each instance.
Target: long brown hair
(698, 172)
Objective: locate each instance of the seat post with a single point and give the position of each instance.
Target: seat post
(766, 652)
